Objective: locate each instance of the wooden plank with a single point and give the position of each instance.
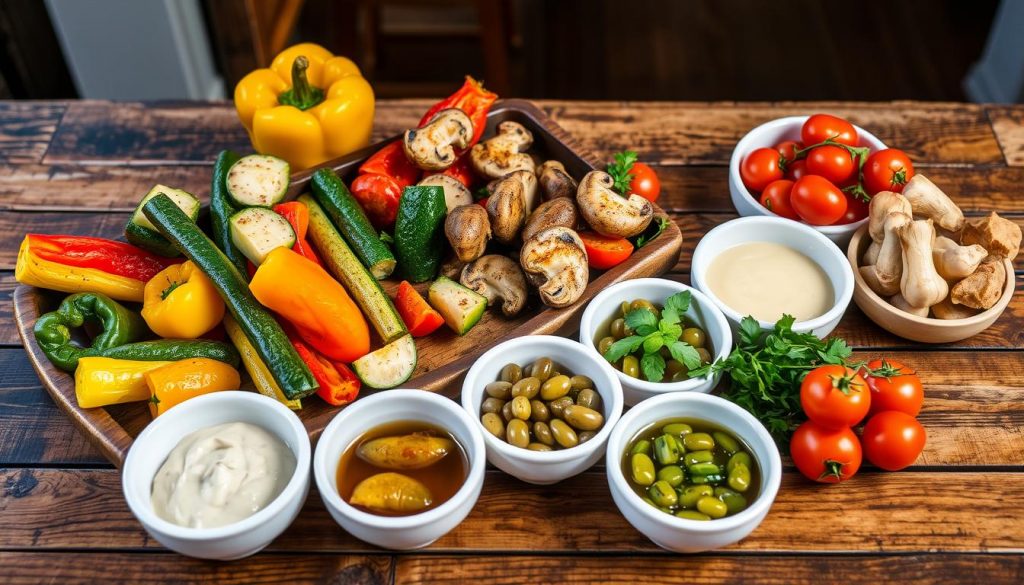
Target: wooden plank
(781, 569)
(85, 568)
(875, 512)
(26, 129)
(1008, 125)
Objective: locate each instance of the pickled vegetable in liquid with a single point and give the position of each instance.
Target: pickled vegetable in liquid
(443, 478)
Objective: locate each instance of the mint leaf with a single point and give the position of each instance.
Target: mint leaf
(653, 231)
(670, 315)
(653, 367)
(639, 317)
(671, 331)
(679, 302)
(685, 354)
(653, 342)
(622, 347)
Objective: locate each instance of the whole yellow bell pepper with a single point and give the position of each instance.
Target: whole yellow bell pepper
(308, 107)
(101, 381)
(176, 382)
(181, 302)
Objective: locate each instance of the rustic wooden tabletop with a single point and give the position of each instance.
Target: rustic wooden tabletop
(956, 516)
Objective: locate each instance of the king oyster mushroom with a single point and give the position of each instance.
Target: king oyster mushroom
(498, 278)
(468, 231)
(432, 147)
(560, 211)
(556, 260)
(455, 193)
(503, 153)
(555, 182)
(608, 212)
(510, 203)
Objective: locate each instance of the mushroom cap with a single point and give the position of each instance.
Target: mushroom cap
(468, 230)
(510, 204)
(556, 256)
(608, 212)
(503, 153)
(497, 277)
(432, 147)
(455, 193)
(554, 181)
(560, 211)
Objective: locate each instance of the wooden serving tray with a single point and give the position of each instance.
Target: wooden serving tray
(443, 357)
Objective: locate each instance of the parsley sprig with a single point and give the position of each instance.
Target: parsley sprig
(621, 171)
(651, 333)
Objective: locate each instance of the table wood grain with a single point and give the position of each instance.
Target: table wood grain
(956, 516)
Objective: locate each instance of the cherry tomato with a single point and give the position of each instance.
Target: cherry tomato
(835, 396)
(775, 198)
(894, 386)
(645, 182)
(887, 170)
(788, 149)
(796, 170)
(825, 455)
(603, 252)
(760, 168)
(856, 210)
(821, 127)
(817, 201)
(832, 162)
(893, 440)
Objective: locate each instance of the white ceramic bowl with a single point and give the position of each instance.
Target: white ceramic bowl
(401, 532)
(679, 534)
(768, 135)
(702, 310)
(795, 235)
(548, 467)
(161, 436)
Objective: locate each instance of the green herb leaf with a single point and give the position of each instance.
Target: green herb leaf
(623, 347)
(685, 354)
(653, 230)
(621, 171)
(653, 342)
(639, 317)
(653, 367)
(679, 302)
(669, 330)
(750, 331)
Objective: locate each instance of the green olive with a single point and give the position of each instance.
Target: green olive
(712, 506)
(739, 477)
(563, 433)
(618, 328)
(641, 469)
(715, 478)
(738, 457)
(726, 441)
(506, 411)
(631, 366)
(604, 344)
(624, 308)
(582, 418)
(666, 450)
(695, 457)
(663, 494)
(517, 433)
(673, 474)
(500, 390)
(644, 304)
(677, 429)
(557, 406)
(590, 398)
(543, 433)
(511, 373)
(491, 404)
(703, 469)
(528, 387)
(698, 442)
(555, 387)
(580, 382)
(690, 494)
(542, 368)
(693, 336)
(734, 500)
(641, 446)
(539, 447)
(585, 436)
(673, 369)
(539, 411)
(680, 376)
(493, 424)
(705, 355)
(692, 515)
(521, 407)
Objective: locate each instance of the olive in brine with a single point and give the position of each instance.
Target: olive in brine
(698, 442)
(517, 433)
(590, 398)
(528, 387)
(511, 373)
(539, 447)
(693, 336)
(491, 404)
(663, 495)
(666, 451)
(726, 441)
(521, 407)
(493, 424)
(539, 411)
(677, 429)
(631, 366)
(734, 501)
(675, 371)
(641, 446)
(604, 344)
(564, 434)
(705, 355)
(740, 457)
(641, 469)
(618, 328)
(542, 368)
(581, 382)
(557, 407)
(582, 418)
(712, 506)
(506, 411)
(585, 436)
(644, 304)
(692, 515)
(542, 432)
(691, 494)
(673, 474)
(739, 477)
(499, 390)
(555, 387)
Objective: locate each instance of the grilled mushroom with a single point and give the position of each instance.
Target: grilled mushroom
(432, 147)
(503, 153)
(455, 193)
(510, 204)
(554, 181)
(608, 212)
(468, 231)
(560, 211)
(557, 260)
(498, 278)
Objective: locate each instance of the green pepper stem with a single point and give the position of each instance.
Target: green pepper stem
(302, 95)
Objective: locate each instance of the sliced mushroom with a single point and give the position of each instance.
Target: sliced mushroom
(555, 182)
(557, 259)
(498, 278)
(432, 147)
(510, 204)
(468, 230)
(455, 193)
(504, 153)
(560, 212)
(608, 212)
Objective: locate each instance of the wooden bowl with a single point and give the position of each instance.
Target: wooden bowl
(923, 329)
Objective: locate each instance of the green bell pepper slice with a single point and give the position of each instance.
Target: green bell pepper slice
(119, 326)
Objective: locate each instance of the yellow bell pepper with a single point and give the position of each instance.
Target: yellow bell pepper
(181, 302)
(101, 381)
(176, 382)
(308, 107)
(261, 376)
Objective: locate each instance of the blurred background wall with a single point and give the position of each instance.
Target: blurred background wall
(572, 49)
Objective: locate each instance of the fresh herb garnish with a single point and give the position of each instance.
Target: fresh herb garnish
(621, 171)
(652, 333)
(653, 230)
(767, 367)
(481, 193)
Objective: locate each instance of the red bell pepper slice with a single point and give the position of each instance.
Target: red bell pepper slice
(391, 161)
(378, 195)
(461, 171)
(472, 99)
(297, 215)
(338, 384)
(109, 256)
(420, 318)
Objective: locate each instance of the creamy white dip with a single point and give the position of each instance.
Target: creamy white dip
(220, 475)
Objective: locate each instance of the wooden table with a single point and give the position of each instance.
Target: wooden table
(956, 516)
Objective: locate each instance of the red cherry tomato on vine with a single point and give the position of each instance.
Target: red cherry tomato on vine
(788, 149)
(894, 386)
(856, 210)
(832, 162)
(887, 170)
(835, 396)
(893, 440)
(821, 127)
(825, 455)
(817, 201)
(775, 198)
(645, 182)
(760, 168)
(796, 170)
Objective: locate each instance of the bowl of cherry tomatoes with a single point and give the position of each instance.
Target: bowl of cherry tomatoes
(819, 170)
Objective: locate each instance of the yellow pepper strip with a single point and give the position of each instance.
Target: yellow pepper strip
(34, 271)
(308, 107)
(261, 377)
(181, 302)
(101, 381)
(176, 382)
